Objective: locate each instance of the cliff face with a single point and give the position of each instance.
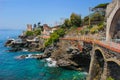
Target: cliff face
(69, 56)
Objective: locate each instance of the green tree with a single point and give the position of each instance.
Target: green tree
(75, 20)
(101, 8)
(86, 20)
(29, 33)
(54, 37)
(67, 23)
(39, 24)
(97, 18)
(34, 26)
(60, 32)
(37, 31)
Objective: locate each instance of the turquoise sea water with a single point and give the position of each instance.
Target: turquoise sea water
(29, 69)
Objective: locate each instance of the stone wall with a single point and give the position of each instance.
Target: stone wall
(112, 8)
(114, 70)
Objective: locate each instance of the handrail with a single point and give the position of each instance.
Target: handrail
(95, 41)
(98, 42)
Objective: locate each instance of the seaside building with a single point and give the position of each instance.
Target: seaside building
(48, 30)
(54, 29)
(29, 27)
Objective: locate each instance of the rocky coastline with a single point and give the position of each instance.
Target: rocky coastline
(65, 56)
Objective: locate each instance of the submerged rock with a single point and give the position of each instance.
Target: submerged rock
(21, 57)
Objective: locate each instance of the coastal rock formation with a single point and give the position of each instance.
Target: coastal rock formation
(36, 56)
(65, 55)
(28, 43)
(70, 57)
(9, 42)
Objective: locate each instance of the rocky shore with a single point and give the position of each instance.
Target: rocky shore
(23, 43)
(65, 56)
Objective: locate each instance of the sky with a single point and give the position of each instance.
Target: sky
(16, 14)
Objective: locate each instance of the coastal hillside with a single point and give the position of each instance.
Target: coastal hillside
(76, 44)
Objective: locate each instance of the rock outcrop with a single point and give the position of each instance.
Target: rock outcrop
(70, 57)
(27, 43)
(65, 54)
(36, 56)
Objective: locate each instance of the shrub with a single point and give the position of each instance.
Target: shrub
(97, 28)
(54, 37)
(48, 42)
(85, 30)
(37, 32)
(60, 32)
(110, 78)
(29, 33)
(94, 30)
(100, 27)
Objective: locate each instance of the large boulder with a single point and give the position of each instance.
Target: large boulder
(9, 42)
(68, 64)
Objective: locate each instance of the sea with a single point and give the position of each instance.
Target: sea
(30, 69)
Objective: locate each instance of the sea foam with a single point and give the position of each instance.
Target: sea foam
(51, 62)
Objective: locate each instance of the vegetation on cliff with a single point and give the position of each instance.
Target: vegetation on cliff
(110, 78)
(29, 33)
(54, 37)
(35, 32)
(97, 15)
(92, 29)
(74, 21)
(97, 18)
(95, 21)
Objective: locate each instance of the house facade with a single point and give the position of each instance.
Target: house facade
(54, 29)
(48, 30)
(29, 27)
